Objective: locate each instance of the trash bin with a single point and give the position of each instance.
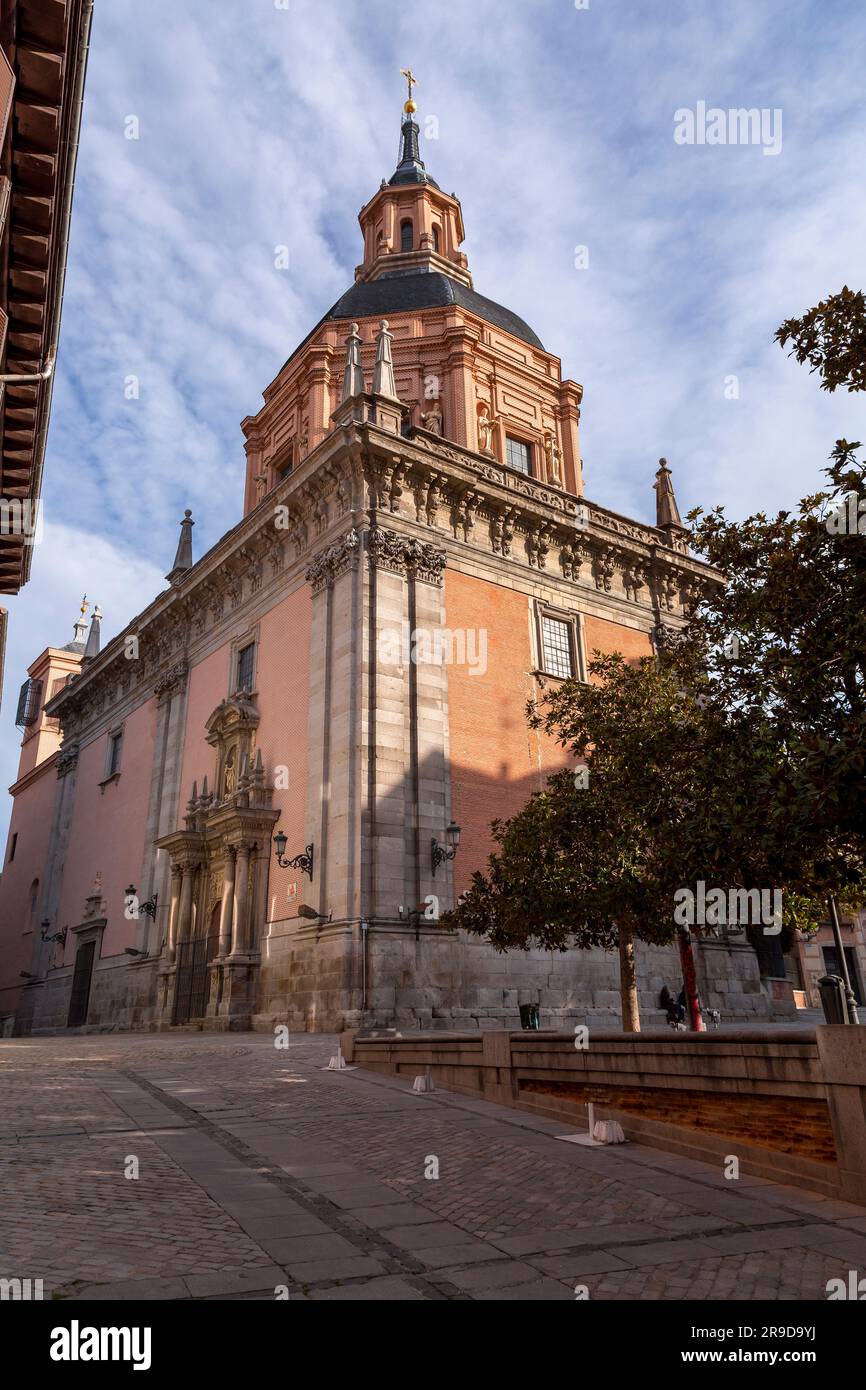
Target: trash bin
(529, 1016)
(834, 1000)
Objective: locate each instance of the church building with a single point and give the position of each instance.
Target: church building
(254, 803)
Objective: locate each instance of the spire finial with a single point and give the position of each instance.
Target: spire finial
(410, 168)
(183, 555)
(409, 106)
(667, 511)
(383, 374)
(93, 638)
(80, 627)
(353, 374)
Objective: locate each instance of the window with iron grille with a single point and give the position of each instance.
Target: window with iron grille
(246, 664)
(557, 655)
(518, 454)
(29, 701)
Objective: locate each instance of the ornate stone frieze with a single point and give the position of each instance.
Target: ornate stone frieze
(538, 546)
(571, 559)
(433, 498)
(666, 637)
(464, 505)
(502, 530)
(603, 569)
(634, 577)
(331, 563)
(425, 561)
(666, 586)
(171, 681)
(67, 759)
(389, 551)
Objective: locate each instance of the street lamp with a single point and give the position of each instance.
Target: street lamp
(148, 908)
(305, 910)
(438, 853)
(48, 935)
(301, 861)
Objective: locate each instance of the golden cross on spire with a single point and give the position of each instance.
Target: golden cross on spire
(411, 81)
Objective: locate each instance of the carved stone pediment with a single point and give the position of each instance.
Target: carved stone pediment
(231, 731)
(230, 717)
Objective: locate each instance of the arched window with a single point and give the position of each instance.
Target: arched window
(406, 237)
(435, 238)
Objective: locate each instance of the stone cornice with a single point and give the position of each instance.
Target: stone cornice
(34, 774)
(358, 476)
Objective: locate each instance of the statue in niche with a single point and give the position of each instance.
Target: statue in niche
(486, 424)
(432, 420)
(553, 456)
(229, 774)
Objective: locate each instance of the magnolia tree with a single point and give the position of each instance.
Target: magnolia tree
(735, 759)
(597, 858)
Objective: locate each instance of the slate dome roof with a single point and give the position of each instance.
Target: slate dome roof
(394, 294)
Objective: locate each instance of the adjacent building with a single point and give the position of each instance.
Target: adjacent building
(43, 60)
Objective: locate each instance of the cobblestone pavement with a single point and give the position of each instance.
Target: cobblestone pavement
(202, 1166)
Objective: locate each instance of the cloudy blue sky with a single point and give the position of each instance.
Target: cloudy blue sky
(271, 122)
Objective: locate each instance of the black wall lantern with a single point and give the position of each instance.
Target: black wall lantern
(148, 908)
(48, 935)
(438, 853)
(301, 861)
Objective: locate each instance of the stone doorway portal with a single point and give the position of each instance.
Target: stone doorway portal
(82, 975)
(193, 977)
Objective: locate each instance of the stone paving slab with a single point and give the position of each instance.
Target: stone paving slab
(319, 1271)
(424, 1236)
(259, 1171)
(389, 1290)
(548, 1290)
(575, 1265)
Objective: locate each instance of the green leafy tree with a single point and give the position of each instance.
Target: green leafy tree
(785, 638)
(596, 858)
(737, 757)
(831, 337)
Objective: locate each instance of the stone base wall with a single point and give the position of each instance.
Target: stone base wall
(122, 998)
(312, 979)
(433, 979)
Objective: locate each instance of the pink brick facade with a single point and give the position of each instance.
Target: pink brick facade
(274, 686)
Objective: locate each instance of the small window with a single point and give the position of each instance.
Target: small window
(13, 847)
(406, 236)
(435, 238)
(115, 747)
(518, 454)
(246, 663)
(557, 651)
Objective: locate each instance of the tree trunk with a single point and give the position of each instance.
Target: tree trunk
(690, 985)
(628, 981)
